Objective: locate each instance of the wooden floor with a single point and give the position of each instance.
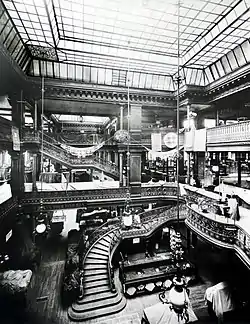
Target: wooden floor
(44, 305)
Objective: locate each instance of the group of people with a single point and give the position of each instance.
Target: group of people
(131, 218)
(231, 207)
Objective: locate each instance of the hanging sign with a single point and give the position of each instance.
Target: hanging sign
(15, 138)
(170, 140)
(156, 142)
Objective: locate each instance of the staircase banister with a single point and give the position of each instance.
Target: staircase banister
(96, 235)
(95, 239)
(114, 241)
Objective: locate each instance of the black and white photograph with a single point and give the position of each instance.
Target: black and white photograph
(124, 161)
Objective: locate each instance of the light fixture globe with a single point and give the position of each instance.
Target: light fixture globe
(40, 228)
(178, 297)
(121, 136)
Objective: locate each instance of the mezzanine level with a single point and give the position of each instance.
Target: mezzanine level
(234, 137)
(215, 229)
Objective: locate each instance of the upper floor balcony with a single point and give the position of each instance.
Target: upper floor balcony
(204, 219)
(228, 137)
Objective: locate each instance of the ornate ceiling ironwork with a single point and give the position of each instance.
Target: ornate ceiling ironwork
(42, 52)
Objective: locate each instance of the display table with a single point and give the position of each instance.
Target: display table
(150, 275)
(162, 314)
(220, 298)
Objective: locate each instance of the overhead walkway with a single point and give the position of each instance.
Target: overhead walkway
(51, 149)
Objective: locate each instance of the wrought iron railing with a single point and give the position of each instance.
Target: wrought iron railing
(116, 238)
(153, 219)
(97, 235)
(74, 195)
(157, 216)
(55, 152)
(217, 229)
(170, 189)
(78, 197)
(30, 136)
(52, 149)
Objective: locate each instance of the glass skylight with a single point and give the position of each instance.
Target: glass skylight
(108, 37)
(91, 32)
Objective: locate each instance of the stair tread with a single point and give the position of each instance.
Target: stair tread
(99, 251)
(101, 247)
(79, 316)
(95, 261)
(95, 272)
(107, 238)
(96, 290)
(104, 243)
(96, 256)
(96, 283)
(96, 304)
(96, 278)
(90, 298)
(91, 266)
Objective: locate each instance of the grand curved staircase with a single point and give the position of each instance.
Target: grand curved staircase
(53, 151)
(100, 296)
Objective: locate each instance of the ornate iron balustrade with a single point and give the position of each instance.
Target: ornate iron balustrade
(55, 152)
(224, 234)
(154, 218)
(77, 198)
(201, 199)
(103, 230)
(70, 199)
(229, 134)
(243, 243)
(115, 241)
(166, 190)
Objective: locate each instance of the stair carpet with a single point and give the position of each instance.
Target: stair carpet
(98, 299)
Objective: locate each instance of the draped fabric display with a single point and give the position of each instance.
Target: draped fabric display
(74, 138)
(83, 151)
(171, 154)
(156, 142)
(189, 140)
(200, 140)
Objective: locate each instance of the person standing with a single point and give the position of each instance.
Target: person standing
(234, 208)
